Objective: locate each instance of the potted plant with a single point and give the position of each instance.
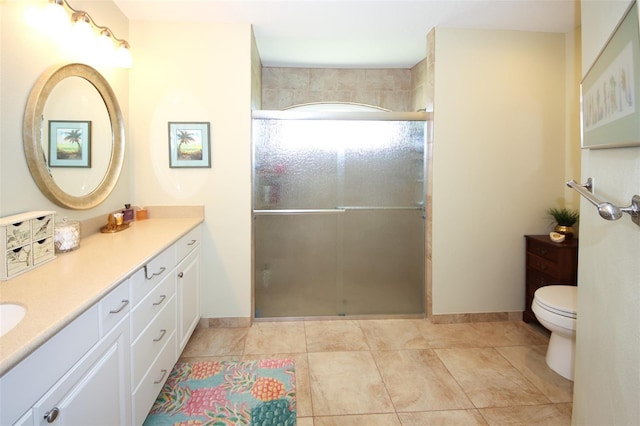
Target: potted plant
(564, 219)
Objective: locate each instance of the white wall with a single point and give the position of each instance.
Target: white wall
(27, 52)
(199, 72)
(607, 381)
(499, 160)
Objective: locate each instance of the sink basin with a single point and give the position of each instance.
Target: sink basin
(10, 316)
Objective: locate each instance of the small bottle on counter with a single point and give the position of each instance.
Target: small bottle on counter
(127, 213)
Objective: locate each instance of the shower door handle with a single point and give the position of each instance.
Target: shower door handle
(363, 208)
(297, 211)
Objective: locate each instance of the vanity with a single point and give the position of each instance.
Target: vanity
(104, 326)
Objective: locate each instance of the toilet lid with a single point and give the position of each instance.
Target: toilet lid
(561, 299)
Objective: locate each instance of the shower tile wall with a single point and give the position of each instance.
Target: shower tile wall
(419, 86)
(393, 89)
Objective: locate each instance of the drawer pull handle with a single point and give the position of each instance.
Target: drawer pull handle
(543, 251)
(159, 302)
(192, 242)
(52, 415)
(162, 333)
(125, 302)
(542, 266)
(155, 274)
(181, 274)
(164, 373)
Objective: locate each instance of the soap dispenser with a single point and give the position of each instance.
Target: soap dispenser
(127, 213)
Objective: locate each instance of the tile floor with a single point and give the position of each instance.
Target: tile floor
(405, 372)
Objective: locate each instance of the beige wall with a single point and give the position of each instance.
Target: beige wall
(199, 72)
(607, 381)
(386, 88)
(26, 52)
(498, 161)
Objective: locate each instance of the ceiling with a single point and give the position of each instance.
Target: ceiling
(357, 33)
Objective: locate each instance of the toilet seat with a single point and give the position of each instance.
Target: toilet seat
(559, 299)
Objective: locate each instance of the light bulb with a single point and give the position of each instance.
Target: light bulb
(55, 19)
(105, 50)
(123, 56)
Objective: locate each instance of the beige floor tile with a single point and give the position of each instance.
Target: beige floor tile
(334, 336)
(275, 337)
(529, 415)
(358, 420)
(390, 334)
(488, 379)
(418, 381)
(508, 333)
(206, 342)
(443, 418)
(451, 335)
(346, 383)
(304, 421)
(529, 360)
(303, 384)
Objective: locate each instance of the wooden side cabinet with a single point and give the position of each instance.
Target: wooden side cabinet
(548, 263)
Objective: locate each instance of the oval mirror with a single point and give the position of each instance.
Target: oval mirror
(74, 136)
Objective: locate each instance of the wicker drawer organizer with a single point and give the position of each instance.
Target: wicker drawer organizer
(26, 241)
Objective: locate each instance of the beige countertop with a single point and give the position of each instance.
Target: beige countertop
(56, 293)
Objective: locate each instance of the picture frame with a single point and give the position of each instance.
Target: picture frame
(610, 90)
(69, 143)
(189, 144)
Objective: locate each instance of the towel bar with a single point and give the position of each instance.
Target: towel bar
(607, 210)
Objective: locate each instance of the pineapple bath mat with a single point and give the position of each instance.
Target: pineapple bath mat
(225, 393)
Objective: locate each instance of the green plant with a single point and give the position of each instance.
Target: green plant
(563, 216)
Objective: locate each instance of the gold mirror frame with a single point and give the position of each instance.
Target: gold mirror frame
(32, 136)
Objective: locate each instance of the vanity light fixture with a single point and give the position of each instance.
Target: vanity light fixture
(88, 32)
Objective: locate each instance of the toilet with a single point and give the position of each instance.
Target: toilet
(555, 307)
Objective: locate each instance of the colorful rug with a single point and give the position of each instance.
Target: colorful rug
(225, 393)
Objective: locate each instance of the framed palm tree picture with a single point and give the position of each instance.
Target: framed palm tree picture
(69, 143)
(189, 145)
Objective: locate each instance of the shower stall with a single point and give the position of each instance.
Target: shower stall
(338, 212)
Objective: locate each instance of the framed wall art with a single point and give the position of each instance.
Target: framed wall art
(189, 145)
(610, 111)
(69, 143)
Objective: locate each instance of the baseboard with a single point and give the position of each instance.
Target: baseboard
(232, 322)
(475, 317)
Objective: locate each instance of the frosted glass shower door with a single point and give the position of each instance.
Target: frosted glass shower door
(338, 217)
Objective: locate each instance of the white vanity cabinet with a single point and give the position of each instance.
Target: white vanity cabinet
(153, 327)
(108, 366)
(96, 390)
(188, 285)
(65, 380)
(165, 318)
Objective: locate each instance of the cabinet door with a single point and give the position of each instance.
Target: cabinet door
(188, 297)
(95, 391)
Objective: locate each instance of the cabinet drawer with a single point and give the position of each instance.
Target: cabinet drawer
(152, 339)
(43, 250)
(151, 274)
(537, 279)
(144, 311)
(18, 234)
(556, 271)
(151, 385)
(18, 260)
(113, 307)
(186, 244)
(543, 250)
(42, 227)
